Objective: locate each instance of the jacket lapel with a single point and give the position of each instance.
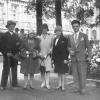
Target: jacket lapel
(72, 40)
(58, 42)
(54, 43)
(79, 39)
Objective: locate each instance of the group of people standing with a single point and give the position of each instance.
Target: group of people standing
(43, 53)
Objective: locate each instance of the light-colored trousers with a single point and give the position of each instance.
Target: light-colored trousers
(79, 71)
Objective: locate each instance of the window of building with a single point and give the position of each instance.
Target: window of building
(1, 13)
(14, 8)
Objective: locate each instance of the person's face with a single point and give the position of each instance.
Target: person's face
(22, 32)
(76, 27)
(16, 31)
(58, 32)
(11, 28)
(44, 31)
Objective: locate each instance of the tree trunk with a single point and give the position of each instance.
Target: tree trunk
(39, 16)
(58, 12)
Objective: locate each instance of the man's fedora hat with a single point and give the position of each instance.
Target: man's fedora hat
(10, 22)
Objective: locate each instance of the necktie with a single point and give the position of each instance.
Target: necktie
(56, 41)
(75, 38)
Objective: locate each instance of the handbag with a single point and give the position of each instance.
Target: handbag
(42, 67)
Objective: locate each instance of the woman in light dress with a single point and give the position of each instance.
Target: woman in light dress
(46, 48)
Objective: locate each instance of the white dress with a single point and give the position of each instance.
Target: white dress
(46, 46)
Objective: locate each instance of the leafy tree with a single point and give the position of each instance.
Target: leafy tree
(53, 8)
(58, 12)
(39, 16)
(97, 4)
(85, 10)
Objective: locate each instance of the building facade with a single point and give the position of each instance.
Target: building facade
(15, 10)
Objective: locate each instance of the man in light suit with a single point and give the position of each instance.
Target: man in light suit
(79, 49)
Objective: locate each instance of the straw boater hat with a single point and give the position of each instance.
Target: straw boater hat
(58, 28)
(10, 22)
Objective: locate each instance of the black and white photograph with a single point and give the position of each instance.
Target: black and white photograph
(49, 49)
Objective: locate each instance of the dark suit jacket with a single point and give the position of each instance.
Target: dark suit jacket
(9, 43)
(60, 51)
(1, 33)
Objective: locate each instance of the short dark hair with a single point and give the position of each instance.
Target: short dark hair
(22, 30)
(45, 26)
(16, 29)
(75, 22)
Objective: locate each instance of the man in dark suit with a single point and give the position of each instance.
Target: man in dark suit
(9, 48)
(79, 49)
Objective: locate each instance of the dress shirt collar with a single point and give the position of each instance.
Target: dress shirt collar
(11, 33)
(75, 34)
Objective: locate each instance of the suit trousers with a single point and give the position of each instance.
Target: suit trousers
(9, 62)
(79, 70)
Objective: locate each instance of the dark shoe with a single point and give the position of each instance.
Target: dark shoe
(31, 87)
(59, 88)
(2, 88)
(83, 92)
(15, 87)
(76, 91)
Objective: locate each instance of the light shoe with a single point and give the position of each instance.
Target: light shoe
(48, 86)
(63, 89)
(43, 85)
(25, 87)
(25, 82)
